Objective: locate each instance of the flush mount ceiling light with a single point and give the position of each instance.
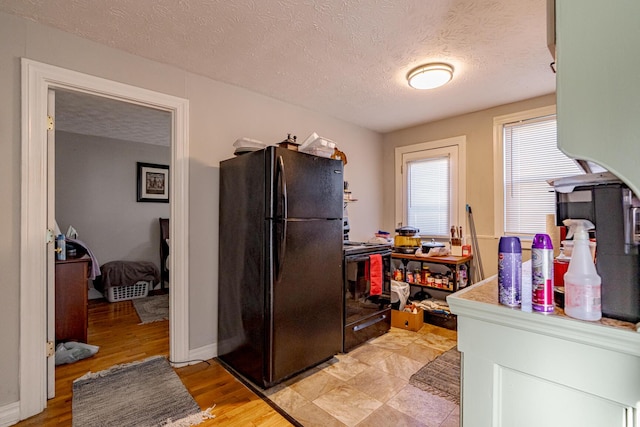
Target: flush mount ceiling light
(430, 76)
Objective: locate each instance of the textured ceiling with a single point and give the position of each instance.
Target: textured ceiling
(93, 115)
(344, 58)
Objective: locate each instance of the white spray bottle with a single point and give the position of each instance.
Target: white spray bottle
(582, 298)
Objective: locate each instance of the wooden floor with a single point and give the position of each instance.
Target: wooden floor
(114, 328)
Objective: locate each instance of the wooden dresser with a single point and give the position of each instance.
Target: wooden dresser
(71, 300)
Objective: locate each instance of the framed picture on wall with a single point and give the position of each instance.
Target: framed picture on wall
(153, 183)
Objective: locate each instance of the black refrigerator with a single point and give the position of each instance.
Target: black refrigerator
(280, 263)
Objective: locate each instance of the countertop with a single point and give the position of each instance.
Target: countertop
(480, 301)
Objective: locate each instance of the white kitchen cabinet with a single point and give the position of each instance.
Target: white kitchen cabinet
(530, 369)
(598, 83)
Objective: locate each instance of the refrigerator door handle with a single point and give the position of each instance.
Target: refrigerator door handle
(280, 250)
(282, 193)
(282, 187)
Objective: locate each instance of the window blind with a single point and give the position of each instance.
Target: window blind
(428, 195)
(531, 158)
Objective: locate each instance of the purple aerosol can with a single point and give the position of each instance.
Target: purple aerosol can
(509, 271)
(542, 273)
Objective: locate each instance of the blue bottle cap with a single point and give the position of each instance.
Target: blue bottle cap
(509, 244)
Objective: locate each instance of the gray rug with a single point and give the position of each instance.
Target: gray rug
(144, 393)
(153, 308)
(441, 376)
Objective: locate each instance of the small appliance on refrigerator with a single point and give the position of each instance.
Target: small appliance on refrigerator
(280, 263)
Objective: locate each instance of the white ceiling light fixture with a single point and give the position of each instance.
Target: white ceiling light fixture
(430, 76)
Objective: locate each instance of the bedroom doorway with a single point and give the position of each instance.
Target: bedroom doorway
(38, 79)
(99, 144)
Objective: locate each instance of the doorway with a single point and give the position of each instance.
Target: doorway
(99, 144)
(37, 80)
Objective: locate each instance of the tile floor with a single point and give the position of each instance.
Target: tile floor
(369, 386)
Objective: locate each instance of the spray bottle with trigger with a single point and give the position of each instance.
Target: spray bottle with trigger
(581, 281)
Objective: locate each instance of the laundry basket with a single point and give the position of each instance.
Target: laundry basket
(124, 280)
(123, 293)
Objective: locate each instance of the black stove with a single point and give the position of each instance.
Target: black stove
(350, 247)
(366, 316)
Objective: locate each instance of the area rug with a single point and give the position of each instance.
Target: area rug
(441, 376)
(153, 308)
(143, 393)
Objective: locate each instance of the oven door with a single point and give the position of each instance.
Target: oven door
(366, 316)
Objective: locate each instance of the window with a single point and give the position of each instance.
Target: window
(428, 194)
(430, 186)
(529, 158)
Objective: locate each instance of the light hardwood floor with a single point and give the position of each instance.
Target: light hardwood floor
(114, 328)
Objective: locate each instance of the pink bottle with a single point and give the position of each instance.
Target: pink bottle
(542, 274)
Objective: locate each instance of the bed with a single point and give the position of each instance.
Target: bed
(123, 280)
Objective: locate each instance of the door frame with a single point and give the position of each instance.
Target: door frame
(37, 79)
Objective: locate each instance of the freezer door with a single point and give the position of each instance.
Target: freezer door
(306, 298)
(305, 186)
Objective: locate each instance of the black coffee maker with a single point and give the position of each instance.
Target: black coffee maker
(614, 210)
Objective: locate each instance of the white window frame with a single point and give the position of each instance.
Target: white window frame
(457, 178)
(498, 160)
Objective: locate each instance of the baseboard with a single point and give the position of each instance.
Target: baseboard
(9, 414)
(202, 353)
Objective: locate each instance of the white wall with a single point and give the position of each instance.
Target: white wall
(12, 30)
(96, 182)
(219, 114)
(478, 128)
(243, 113)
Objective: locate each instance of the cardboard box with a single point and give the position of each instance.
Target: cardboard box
(407, 320)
